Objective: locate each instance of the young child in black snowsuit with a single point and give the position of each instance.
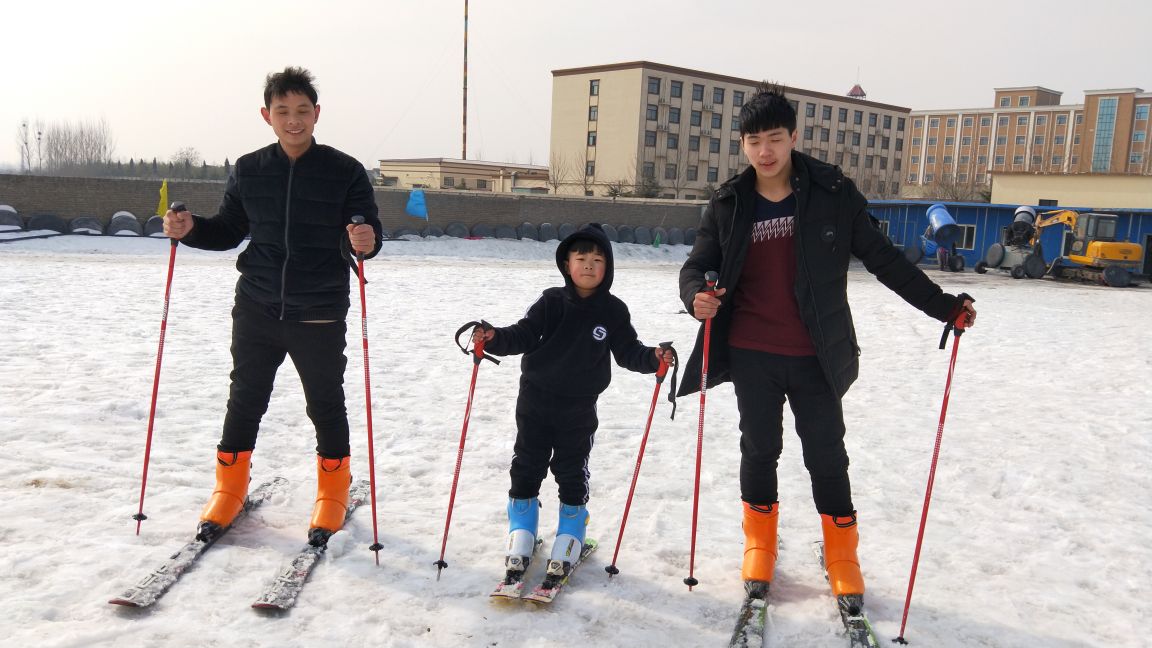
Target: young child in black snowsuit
(566, 338)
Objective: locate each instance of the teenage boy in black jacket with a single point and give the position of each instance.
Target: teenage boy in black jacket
(780, 235)
(296, 200)
(566, 338)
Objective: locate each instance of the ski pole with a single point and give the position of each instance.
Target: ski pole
(375, 547)
(957, 328)
(660, 373)
(140, 517)
(710, 279)
(478, 355)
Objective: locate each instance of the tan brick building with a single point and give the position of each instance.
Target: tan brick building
(676, 131)
(953, 153)
(469, 175)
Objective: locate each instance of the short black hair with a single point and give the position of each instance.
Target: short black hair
(766, 110)
(584, 246)
(292, 79)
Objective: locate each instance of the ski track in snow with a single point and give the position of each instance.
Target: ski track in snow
(1037, 534)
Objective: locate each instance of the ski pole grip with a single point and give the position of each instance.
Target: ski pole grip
(178, 207)
(358, 220)
(663, 370)
(710, 280)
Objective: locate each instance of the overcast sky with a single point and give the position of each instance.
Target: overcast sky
(190, 74)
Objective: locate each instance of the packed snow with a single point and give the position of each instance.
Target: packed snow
(1038, 533)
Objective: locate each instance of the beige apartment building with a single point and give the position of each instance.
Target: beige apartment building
(675, 132)
(465, 175)
(953, 153)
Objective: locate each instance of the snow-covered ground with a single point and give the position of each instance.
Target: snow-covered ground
(1038, 534)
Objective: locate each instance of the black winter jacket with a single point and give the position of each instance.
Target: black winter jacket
(831, 224)
(566, 339)
(296, 266)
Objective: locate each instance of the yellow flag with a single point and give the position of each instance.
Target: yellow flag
(162, 208)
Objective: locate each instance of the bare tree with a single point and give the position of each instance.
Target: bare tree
(580, 168)
(24, 144)
(187, 156)
(949, 188)
(74, 148)
(557, 172)
(680, 174)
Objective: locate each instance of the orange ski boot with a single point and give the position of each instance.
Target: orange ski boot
(840, 541)
(759, 545)
(333, 477)
(232, 471)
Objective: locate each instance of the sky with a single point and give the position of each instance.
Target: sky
(166, 76)
(1037, 532)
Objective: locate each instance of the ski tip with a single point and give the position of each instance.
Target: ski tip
(123, 602)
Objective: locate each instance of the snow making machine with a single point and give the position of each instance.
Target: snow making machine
(938, 240)
(1015, 253)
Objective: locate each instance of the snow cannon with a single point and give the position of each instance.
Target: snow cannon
(1023, 226)
(942, 228)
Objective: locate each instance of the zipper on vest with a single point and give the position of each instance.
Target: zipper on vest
(287, 249)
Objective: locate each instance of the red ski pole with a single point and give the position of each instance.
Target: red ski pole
(478, 355)
(375, 546)
(140, 517)
(660, 373)
(958, 329)
(710, 279)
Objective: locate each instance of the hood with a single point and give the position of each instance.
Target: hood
(592, 232)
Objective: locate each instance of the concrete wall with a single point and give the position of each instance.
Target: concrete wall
(1101, 192)
(101, 197)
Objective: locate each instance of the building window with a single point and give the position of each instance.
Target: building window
(737, 98)
(900, 124)
(717, 95)
(899, 143)
(855, 159)
(839, 137)
(591, 113)
(826, 112)
(915, 159)
(981, 160)
(930, 159)
(934, 122)
(1061, 120)
(481, 184)
(999, 160)
(947, 159)
(983, 140)
(1019, 140)
(871, 119)
(716, 119)
(1139, 136)
(693, 173)
(855, 139)
(594, 87)
(824, 132)
(591, 138)
(1105, 128)
(1038, 140)
(911, 177)
(694, 118)
(1041, 120)
(1001, 140)
(651, 113)
(1024, 101)
(713, 174)
(887, 121)
(950, 122)
(1002, 121)
(697, 92)
(967, 122)
(949, 141)
(1136, 158)
(654, 85)
(962, 177)
(673, 141)
(967, 239)
(871, 141)
(858, 117)
(964, 159)
(810, 110)
(883, 163)
(842, 116)
(649, 138)
(807, 132)
(931, 141)
(649, 170)
(1076, 139)
(916, 141)
(673, 115)
(735, 122)
(734, 147)
(795, 106)
(985, 122)
(929, 177)
(676, 89)
(979, 178)
(966, 141)
(1057, 160)
(1017, 160)
(670, 171)
(1022, 120)
(896, 165)
(693, 142)
(590, 169)
(1079, 119)
(1004, 101)
(714, 145)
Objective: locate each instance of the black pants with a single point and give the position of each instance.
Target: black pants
(259, 345)
(557, 433)
(763, 381)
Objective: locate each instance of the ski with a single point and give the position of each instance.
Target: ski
(547, 591)
(512, 587)
(749, 632)
(851, 608)
(281, 593)
(150, 588)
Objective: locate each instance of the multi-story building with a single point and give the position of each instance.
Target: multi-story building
(472, 175)
(675, 133)
(953, 153)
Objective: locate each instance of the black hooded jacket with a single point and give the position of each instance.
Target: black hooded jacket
(296, 266)
(832, 224)
(566, 339)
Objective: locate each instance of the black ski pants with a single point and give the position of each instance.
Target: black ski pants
(259, 346)
(763, 381)
(557, 433)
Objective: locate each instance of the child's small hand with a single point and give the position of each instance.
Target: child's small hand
(479, 334)
(666, 356)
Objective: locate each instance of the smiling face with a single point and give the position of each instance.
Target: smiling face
(770, 153)
(587, 270)
(292, 117)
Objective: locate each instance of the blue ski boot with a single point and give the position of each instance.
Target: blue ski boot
(569, 541)
(523, 525)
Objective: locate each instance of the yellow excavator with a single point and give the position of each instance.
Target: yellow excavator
(1094, 252)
